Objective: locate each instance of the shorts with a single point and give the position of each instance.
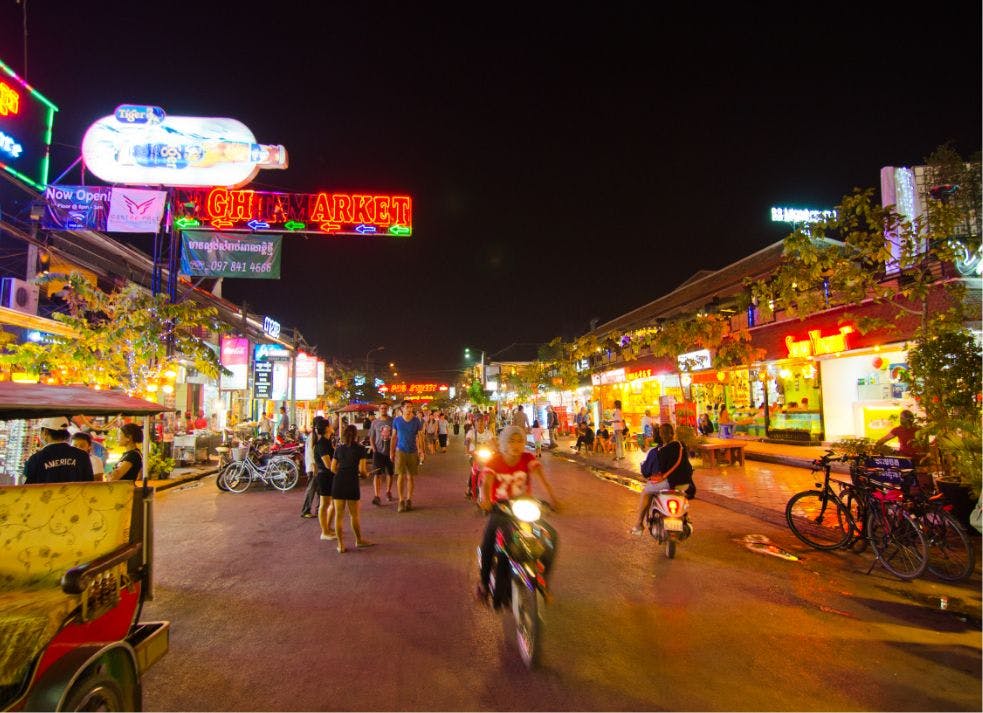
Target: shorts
(382, 464)
(406, 463)
(443, 440)
(324, 482)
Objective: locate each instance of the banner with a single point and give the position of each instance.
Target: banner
(235, 358)
(262, 379)
(211, 254)
(75, 207)
(132, 210)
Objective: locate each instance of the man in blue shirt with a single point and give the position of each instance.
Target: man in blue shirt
(404, 454)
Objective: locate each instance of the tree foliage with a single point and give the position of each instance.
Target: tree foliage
(126, 339)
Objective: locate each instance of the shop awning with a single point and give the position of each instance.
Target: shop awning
(43, 400)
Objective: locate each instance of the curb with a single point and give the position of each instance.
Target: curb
(619, 476)
(181, 480)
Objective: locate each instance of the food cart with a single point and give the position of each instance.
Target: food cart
(75, 569)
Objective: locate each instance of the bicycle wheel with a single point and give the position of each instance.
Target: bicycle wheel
(816, 518)
(898, 543)
(853, 504)
(950, 551)
(282, 473)
(237, 477)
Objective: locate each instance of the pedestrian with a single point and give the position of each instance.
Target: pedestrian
(57, 461)
(83, 441)
(618, 430)
(130, 464)
(310, 467)
(323, 454)
(537, 438)
(201, 423)
(265, 425)
(430, 428)
(404, 452)
(442, 431)
(648, 430)
(348, 464)
(380, 437)
(704, 425)
(520, 419)
(283, 425)
(552, 425)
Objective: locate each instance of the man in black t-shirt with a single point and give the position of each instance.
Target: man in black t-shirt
(57, 461)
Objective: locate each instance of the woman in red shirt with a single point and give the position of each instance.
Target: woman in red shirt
(905, 433)
(506, 475)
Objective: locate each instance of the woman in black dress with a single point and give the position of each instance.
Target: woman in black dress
(348, 465)
(323, 453)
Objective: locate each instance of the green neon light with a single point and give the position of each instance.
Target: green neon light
(398, 229)
(34, 92)
(294, 225)
(21, 176)
(183, 222)
(49, 121)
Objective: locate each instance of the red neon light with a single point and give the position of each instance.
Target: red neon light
(9, 100)
(332, 213)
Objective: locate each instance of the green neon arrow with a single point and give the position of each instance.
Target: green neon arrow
(186, 222)
(294, 225)
(398, 229)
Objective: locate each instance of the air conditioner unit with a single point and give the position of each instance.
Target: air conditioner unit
(19, 295)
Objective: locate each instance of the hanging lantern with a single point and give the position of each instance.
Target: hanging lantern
(878, 362)
(721, 376)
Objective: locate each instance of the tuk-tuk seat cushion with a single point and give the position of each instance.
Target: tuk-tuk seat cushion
(45, 530)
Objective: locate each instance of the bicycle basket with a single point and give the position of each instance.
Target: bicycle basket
(239, 452)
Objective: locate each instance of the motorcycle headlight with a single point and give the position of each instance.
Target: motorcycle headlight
(526, 510)
(484, 454)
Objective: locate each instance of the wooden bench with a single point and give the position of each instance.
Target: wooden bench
(733, 452)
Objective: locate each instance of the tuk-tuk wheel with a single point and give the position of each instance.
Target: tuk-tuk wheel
(98, 691)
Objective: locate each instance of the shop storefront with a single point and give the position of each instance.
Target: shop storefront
(864, 392)
(827, 381)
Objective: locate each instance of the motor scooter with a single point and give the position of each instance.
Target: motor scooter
(668, 519)
(478, 459)
(518, 572)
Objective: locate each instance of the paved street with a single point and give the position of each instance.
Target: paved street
(265, 616)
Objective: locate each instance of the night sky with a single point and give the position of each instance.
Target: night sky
(565, 164)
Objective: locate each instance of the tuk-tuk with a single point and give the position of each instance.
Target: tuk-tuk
(75, 569)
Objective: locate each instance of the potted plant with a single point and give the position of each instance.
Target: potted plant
(945, 380)
(158, 467)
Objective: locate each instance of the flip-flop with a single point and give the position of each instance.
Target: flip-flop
(364, 544)
(342, 550)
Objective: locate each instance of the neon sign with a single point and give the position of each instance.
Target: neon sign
(26, 118)
(415, 389)
(329, 213)
(800, 215)
(142, 145)
(817, 345)
(271, 327)
(9, 100)
(637, 374)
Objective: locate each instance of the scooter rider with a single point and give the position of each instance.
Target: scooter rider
(668, 468)
(506, 475)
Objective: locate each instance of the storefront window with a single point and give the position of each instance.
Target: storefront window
(864, 394)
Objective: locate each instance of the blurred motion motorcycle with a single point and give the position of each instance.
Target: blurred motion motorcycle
(522, 557)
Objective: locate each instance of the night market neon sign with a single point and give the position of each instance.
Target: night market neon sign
(327, 213)
(817, 345)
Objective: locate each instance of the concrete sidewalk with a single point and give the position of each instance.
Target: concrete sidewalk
(772, 473)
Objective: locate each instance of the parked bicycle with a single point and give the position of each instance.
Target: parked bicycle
(950, 550)
(868, 508)
(249, 465)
